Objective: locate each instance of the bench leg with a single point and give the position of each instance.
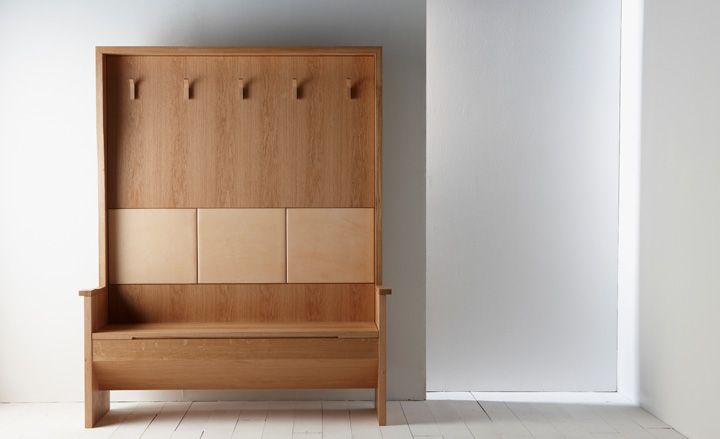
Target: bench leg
(381, 388)
(97, 402)
(381, 405)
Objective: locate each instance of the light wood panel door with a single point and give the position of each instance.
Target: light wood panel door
(223, 145)
(152, 246)
(330, 245)
(241, 245)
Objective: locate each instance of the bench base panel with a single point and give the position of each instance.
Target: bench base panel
(312, 363)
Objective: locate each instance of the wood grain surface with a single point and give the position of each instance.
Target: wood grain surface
(228, 364)
(237, 330)
(241, 303)
(330, 245)
(241, 245)
(217, 149)
(152, 246)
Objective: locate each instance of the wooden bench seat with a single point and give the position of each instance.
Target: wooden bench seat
(139, 331)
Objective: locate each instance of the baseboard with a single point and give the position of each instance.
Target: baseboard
(560, 397)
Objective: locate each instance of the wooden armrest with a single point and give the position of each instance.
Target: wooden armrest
(96, 309)
(93, 293)
(383, 291)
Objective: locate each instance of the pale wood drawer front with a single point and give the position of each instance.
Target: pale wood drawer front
(152, 246)
(330, 245)
(241, 245)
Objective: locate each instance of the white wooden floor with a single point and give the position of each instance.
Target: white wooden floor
(336, 419)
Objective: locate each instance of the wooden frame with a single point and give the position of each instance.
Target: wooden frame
(272, 352)
(97, 402)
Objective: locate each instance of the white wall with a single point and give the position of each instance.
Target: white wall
(522, 210)
(680, 216)
(629, 197)
(48, 195)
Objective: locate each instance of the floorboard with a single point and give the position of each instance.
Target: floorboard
(420, 418)
(460, 418)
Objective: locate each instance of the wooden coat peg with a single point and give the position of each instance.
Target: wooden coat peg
(348, 87)
(241, 83)
(294, 88)
(186, 88)
(131, 82)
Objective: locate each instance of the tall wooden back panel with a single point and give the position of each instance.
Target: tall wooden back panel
(240, 199)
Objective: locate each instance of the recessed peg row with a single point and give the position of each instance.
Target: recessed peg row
(187, 88)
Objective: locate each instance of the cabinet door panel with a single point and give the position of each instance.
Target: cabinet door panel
(241, 245)
(330, 245)
(152, 246)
